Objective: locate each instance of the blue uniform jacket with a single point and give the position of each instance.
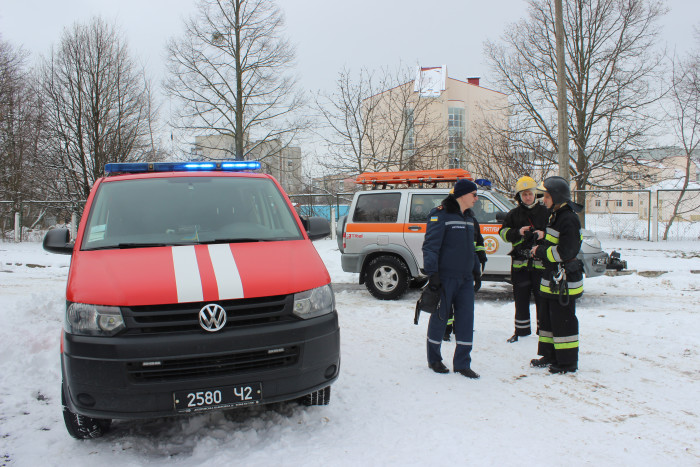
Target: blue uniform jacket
(448, 247)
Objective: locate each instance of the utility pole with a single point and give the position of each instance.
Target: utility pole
(562, 116)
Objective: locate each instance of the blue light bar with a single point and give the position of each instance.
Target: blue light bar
(483, 182)
(144, 167)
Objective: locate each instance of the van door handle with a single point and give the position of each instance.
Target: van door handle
(414, 227)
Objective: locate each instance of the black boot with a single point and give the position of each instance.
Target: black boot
(469, 373)
(557, 368)
(513, 338)
(438, 367)
(541, 362)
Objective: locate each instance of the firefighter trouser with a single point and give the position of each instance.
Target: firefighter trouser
(458, 293)
(558, 330)
(526, 283)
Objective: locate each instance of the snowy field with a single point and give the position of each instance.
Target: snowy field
(634, 401)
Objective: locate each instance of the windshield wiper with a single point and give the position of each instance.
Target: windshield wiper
(231, 240)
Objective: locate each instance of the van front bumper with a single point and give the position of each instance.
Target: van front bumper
(111, 377)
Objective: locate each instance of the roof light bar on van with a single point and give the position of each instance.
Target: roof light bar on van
(483, 182)
(412, 176)
(145, 167)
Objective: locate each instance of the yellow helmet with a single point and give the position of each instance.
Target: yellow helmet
(525, 183)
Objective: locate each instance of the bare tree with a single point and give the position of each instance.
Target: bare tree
(610, 74)
(503, 155)
(98, 107)
(21, 120)
(376, 122)
(684, 117)
(231, 73)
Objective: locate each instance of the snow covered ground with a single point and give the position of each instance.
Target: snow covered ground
(634, 401)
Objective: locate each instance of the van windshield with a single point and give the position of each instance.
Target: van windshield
(186, 211)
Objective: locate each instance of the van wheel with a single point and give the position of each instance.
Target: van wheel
(320, 397)
(387, 277)
(82, 427)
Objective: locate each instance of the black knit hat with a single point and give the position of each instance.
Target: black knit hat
(462, 187)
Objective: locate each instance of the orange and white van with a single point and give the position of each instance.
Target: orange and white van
(192, 287)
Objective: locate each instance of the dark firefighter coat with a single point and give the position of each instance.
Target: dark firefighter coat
(449, 244)
(562, 243)
(520, 216)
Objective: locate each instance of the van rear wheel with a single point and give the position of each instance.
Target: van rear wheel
(80, 426)
(387, 278)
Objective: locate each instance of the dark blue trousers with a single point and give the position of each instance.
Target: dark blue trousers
(457, 292)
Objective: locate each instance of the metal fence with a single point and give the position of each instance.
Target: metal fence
(620, 214)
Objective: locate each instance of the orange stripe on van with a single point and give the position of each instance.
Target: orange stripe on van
(378, 227)
(398, 228)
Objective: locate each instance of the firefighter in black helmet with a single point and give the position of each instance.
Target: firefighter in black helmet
(562, 281)
(523, 226)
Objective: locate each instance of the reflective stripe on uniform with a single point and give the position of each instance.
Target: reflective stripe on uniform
(457, 223)
(553, 254)
(522, 323)
(566, 342)
(434, 342)
(503, 233)
(546, 337)
(463, 343)
(519, 263)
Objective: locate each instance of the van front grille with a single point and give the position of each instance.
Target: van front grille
(179, 317)
(213, 365)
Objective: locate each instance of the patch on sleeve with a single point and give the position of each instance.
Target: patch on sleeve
(433, 219)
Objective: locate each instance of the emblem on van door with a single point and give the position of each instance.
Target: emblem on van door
(212, 317)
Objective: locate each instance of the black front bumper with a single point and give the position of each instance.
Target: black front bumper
(135, 376)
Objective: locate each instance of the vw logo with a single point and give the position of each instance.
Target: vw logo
(212, 317)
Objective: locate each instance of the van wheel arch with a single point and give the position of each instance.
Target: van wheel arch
(387, 277)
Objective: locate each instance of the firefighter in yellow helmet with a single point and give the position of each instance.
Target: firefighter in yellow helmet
(523, 226)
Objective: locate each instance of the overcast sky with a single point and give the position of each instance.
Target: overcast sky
(328, 34)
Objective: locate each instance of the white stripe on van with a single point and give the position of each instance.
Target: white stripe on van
(187, 279)
(228, 279)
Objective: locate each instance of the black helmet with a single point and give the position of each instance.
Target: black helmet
(558, 189)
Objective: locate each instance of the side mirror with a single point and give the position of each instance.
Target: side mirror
(58, 241)
(317, 227)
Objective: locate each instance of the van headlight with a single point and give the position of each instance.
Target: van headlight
(93, 320)
(314, 302)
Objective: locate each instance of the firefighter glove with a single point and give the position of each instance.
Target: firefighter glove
(434, 282)
(477, 282)
(482, 259)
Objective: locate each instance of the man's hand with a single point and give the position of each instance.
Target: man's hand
(477, 283)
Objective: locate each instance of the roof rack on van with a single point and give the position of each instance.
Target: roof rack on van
(410, 177)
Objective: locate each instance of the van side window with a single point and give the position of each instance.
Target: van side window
(421, 205)
(485, 211)
(377, 208)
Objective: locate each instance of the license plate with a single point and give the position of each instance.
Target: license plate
(601, 260)
(217, 398)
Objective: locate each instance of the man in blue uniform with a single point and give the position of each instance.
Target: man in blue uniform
(450, 260)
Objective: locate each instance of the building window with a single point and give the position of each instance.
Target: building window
(455, 136)
(409, 136)
(618, 202)
(597, 202)
(630, 203)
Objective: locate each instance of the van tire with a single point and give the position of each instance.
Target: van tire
(82, 427)
(387, 277)
(320, 397)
